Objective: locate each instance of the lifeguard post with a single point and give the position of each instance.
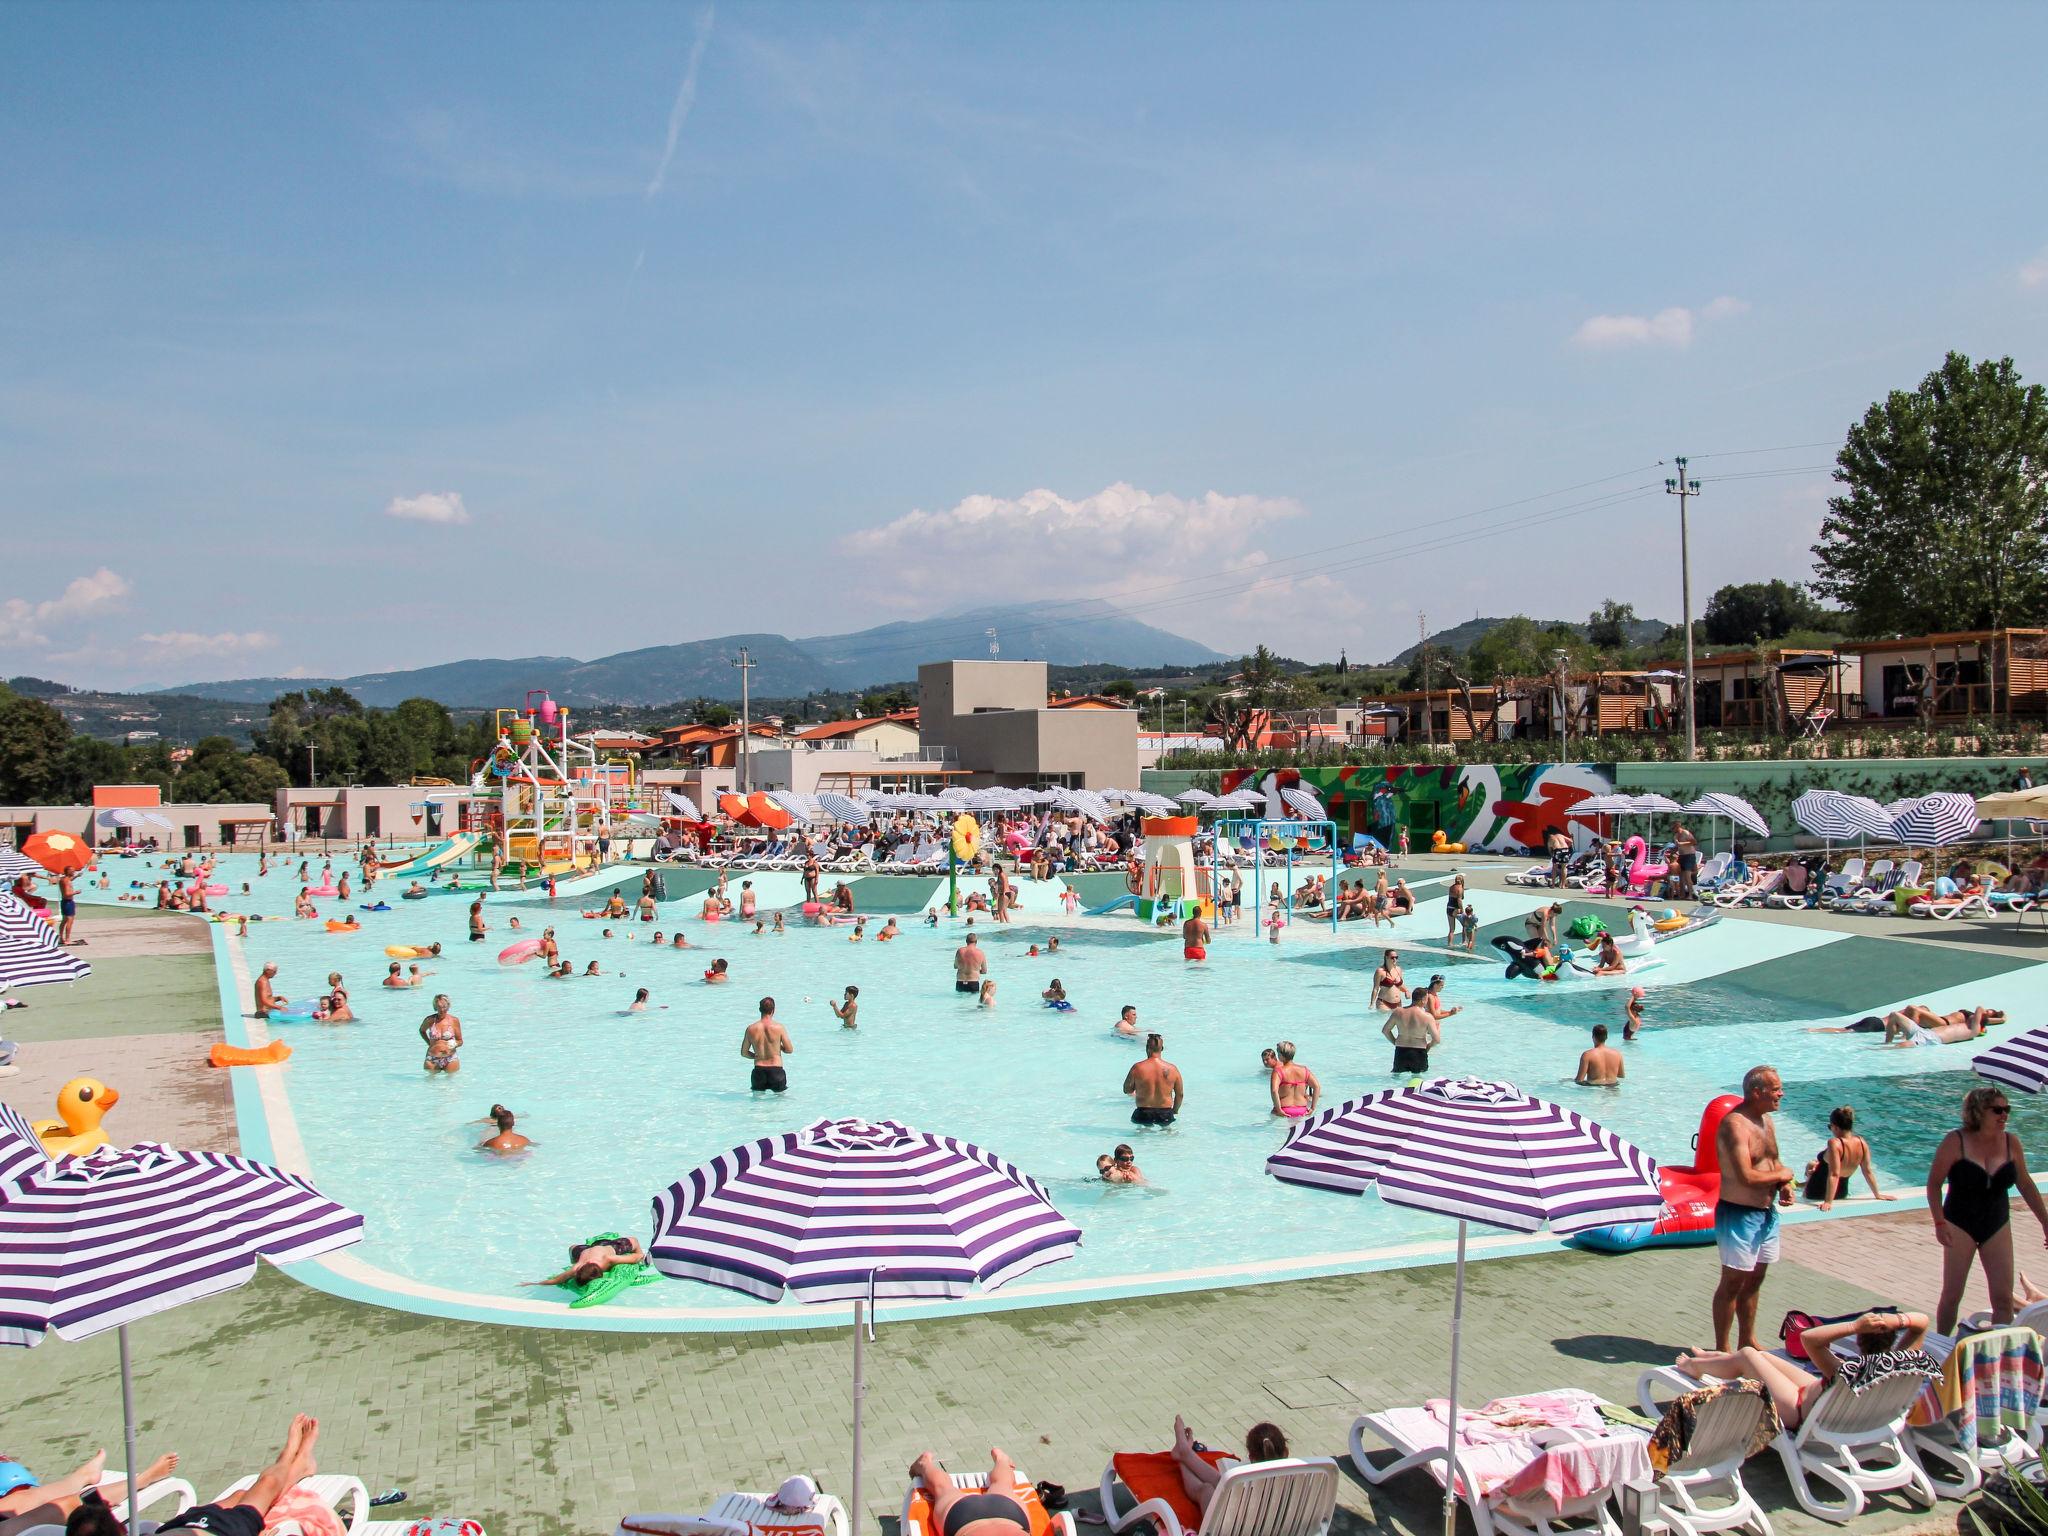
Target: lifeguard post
(1171, 883)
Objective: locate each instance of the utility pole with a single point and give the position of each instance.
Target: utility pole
(1560, 659)
(312, 766)
(1685, 490)
(1428, 705)
(746, 665)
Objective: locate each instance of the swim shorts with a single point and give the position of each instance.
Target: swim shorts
(1747, 1235)
(1194, 952)
(1688, 862)
(770, 1080)
(1411, 1058)
(1143, 1116)
(476, 938)
(966, 986)
(67, 908)
(222, 1519)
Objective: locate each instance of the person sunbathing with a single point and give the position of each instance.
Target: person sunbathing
(589, 1260)
(957, 1511)
(245, 1511)
(1886, 1342)
(51, 1503)
(1199, 1477)
(1915, 1025)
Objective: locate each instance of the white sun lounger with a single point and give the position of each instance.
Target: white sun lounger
(1295, 1497)
(1417, 1438)
(332, 1488)
(1750, 893)
(1851, 1442)
(1703, 1491)
(909, 1525)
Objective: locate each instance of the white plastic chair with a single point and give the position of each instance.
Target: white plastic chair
(330, 1487)
(1295, 1497)
(1702, 1490)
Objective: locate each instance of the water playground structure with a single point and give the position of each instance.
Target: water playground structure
(1171, 885)
(1285, 839)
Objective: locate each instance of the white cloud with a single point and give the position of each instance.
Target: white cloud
(429, 507)
(1673, 327)
(686, 98)
(1122, 543)
(2035, 273)
(184, 644)
(22, 621)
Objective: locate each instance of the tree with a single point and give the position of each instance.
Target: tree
(1608, 625)
(32, 739)
(1120, 688)
(1754, 611)
(1520, 647)
(1262, 688)
(1940, 524)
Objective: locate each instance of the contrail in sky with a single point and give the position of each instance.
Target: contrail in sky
(686, 97)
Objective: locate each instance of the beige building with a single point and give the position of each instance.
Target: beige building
(993, 716)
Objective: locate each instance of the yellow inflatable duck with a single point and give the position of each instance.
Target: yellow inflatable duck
(80, 1104)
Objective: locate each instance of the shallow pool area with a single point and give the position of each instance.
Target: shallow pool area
(619, 1105)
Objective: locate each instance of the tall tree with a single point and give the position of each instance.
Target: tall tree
(1608, 625)
(1940, 524)
(32, 740)
(1744, 613)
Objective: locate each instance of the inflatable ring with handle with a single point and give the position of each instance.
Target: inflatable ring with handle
(966, 838)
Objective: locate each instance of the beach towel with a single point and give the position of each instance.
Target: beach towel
(304, 1513)
(1672, 1437)
(1991, 1382)
(1551, 1443)
(1156, 1475)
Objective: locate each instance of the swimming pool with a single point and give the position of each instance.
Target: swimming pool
(620, 1105)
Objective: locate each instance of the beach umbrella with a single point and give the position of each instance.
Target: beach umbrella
(29, 953)
(1936, 820)
(1303, 802)
(1236, 800)
(14, 865)
(2021, 1062)
(853, 1210)
(101, 1241)
(59, 852)
(1834, 817)
(764, 811)
(1650, 805)
(1477, 1151)
(844, 808)
(800, 807)
(682, 804)
(2016, 805)
(1732, 808)
(1201, 799)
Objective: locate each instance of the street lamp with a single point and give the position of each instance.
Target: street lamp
(1558, 660)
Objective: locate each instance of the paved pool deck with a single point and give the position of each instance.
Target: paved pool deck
(553, 1433)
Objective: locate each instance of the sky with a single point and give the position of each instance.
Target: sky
(344, 338)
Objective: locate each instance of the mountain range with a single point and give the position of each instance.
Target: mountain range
(1063, 633)
(1460, 638)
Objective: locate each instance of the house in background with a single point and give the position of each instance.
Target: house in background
(1971, 674)
(993, 717)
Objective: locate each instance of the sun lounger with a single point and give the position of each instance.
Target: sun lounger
(917, 1506)
(331, 1488)
(1851, 1442)
(1263, 1498)
(1843, 881)
(1994, 1368)
(1749, 893)
(1508, 1483)
(753, 1512)
(426, 1525)
(1702, 1490)
(1945, 909)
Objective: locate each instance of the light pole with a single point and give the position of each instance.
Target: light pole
(1559, 659)
(746, 667)
(1685, 490)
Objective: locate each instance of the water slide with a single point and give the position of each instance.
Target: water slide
(434, 858)
(1115, 906)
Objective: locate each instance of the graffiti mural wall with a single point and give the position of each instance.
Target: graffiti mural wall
(1489, 807)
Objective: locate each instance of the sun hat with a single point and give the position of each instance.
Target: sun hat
(796, 1495)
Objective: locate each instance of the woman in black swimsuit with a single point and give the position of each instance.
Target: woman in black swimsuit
(958, 1511)
(1981, 1164)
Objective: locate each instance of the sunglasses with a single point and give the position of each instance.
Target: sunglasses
(2001, 1109)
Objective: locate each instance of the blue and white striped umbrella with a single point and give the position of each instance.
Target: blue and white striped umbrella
(1730, 808)
(14, 865)
(815, 1213)
(683, 805)
(1303, 802)
(1652, 804)
(29, 953)
(1198, 798)
(1479, 1151)
(1604, 805)
(845, 808)
(1835, 817)
(2021, 1062)
(801, 807)
(1936, 820)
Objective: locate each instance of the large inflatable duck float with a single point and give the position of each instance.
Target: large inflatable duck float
(81, 1104)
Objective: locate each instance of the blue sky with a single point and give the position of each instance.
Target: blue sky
(343, 338)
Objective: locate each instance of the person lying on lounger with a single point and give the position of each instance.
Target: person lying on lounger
(1887, 1343)
(243, 1514)
(1199, 1477)
(957, 1511)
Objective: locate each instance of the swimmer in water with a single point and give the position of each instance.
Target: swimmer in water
(777, 928)
(889, 931)
(988, 995)
(1634, 1022)
(1054, 993)
(592, 970)
(848, 1012)
(1127, 1021)
(639, 1003)
(717, 974)
(680, 942)
(860, 930)
(507, 1139)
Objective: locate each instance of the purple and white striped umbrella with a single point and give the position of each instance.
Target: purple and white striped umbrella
(2021, 1062)
(845, 808)
(14, 865)
(1479, 1151)
(29, 953)
(1730, 808)
(814, 1213)
(1303, 802)
(1936, 820)
(1834, 817)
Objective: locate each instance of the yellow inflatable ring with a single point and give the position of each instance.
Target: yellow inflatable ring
(403, 952)
(1671, 924)
(966, 838)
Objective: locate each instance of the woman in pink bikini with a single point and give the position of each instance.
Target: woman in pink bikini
(1295, 1089)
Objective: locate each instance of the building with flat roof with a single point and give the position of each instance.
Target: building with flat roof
(995, 717)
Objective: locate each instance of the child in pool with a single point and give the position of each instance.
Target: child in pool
(1634, 1021)
(988, 995)
(847, 1012)
(778, 928)
(1056, 997)
(860, 930)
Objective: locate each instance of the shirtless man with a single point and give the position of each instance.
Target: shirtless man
(67, 908)
(1295, 1089)
(969, 963)
(1156, 1086)
(848, 1012)
(266, 992)
(1754, 1182)
(245, 1511)
(1194, 939)
(507, 1139)
(1413, 1032)
(1602, 1066)
(765, 1043)
(1541, 925)
(1127, 1024)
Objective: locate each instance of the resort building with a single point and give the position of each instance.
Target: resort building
(1968, 675)
(993, 717)
(1788, 691)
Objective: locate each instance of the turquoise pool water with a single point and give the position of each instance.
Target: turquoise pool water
(619, 1105)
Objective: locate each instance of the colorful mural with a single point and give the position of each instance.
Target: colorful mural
(1489, 807)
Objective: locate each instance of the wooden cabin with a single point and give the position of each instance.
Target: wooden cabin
(1971, 674)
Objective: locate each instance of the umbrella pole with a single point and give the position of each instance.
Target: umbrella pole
(1451, 1441)
(860, 1391)
(128, 1431)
